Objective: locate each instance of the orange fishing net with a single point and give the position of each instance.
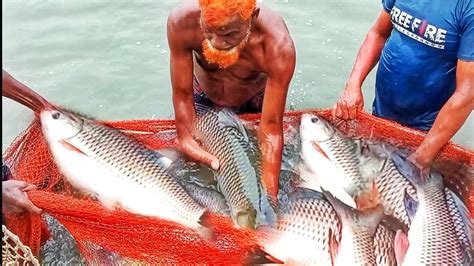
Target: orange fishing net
(151, 240)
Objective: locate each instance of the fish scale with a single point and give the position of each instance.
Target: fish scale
(363, 247)
(238, 177)
(117, 169)
(384, 248)
(342, 152)
(138, 164)
(307, 225)
(357, 246)
(227, 182)
(392, 186)
(390, 183)
(304, 230)
(432, 236)
(462, 223)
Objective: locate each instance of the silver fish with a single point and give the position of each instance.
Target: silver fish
(376, 165)
(341, 151)
(208, 198)
(315, 169)
(239, 176)
(306, 231)
(357, 245)
(432, 237)
(118, 170)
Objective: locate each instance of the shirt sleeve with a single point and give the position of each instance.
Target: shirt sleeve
(388, 5)
(466, 46)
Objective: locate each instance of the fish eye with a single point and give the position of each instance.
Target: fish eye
(56, 115)
(314, 119)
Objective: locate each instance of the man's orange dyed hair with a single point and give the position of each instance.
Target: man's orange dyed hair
(217, 12)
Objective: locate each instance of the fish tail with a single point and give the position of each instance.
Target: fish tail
(369, 199)
(414, 174)
(368, 218)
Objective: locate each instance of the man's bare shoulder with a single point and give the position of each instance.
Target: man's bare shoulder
(277, 39)
(184, 19)
(274, 29)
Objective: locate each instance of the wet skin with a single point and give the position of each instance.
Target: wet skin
(266, 62)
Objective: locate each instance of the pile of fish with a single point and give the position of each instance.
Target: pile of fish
(364, 203)
(342, 201)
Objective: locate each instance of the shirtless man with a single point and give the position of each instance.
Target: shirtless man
(236, 54)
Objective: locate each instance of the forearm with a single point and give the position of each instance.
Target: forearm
(271, 145)
(449, 120)
(183, 104)
(9, 83)
(20, 93)
(367, 57)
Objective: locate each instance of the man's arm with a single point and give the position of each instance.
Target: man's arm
(14, 198)
(181, 67)
(451, 117)
(270, 135)
(369, 53)
(17, 91)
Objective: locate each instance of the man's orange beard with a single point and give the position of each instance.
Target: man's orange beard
(223, 58)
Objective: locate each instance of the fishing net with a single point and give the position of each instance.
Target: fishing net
(104, 236)
(13, 251)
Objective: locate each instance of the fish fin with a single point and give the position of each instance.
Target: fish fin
(463, 211)
(393, 224)
(333, 246)
(318, 149)
(401, 246)
(202, 109)
(268, 214)
(173, 154)
(206, 233)
(71, 147)
(337, 192)
(108, 202)
(381, 149)
(206, 227)
(266, 255)
(369, 199)
(410, 171)
(304, 193)
(229, 119)
(411, 205)
(369, 218)
(171, 159)
(159, 158)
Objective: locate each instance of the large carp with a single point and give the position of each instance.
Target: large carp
(117, 169)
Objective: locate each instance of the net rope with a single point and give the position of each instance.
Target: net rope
(14, 252)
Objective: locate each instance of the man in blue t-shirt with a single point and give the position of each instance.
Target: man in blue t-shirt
(425, 78)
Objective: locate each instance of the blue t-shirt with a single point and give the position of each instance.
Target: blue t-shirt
(417, 68)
